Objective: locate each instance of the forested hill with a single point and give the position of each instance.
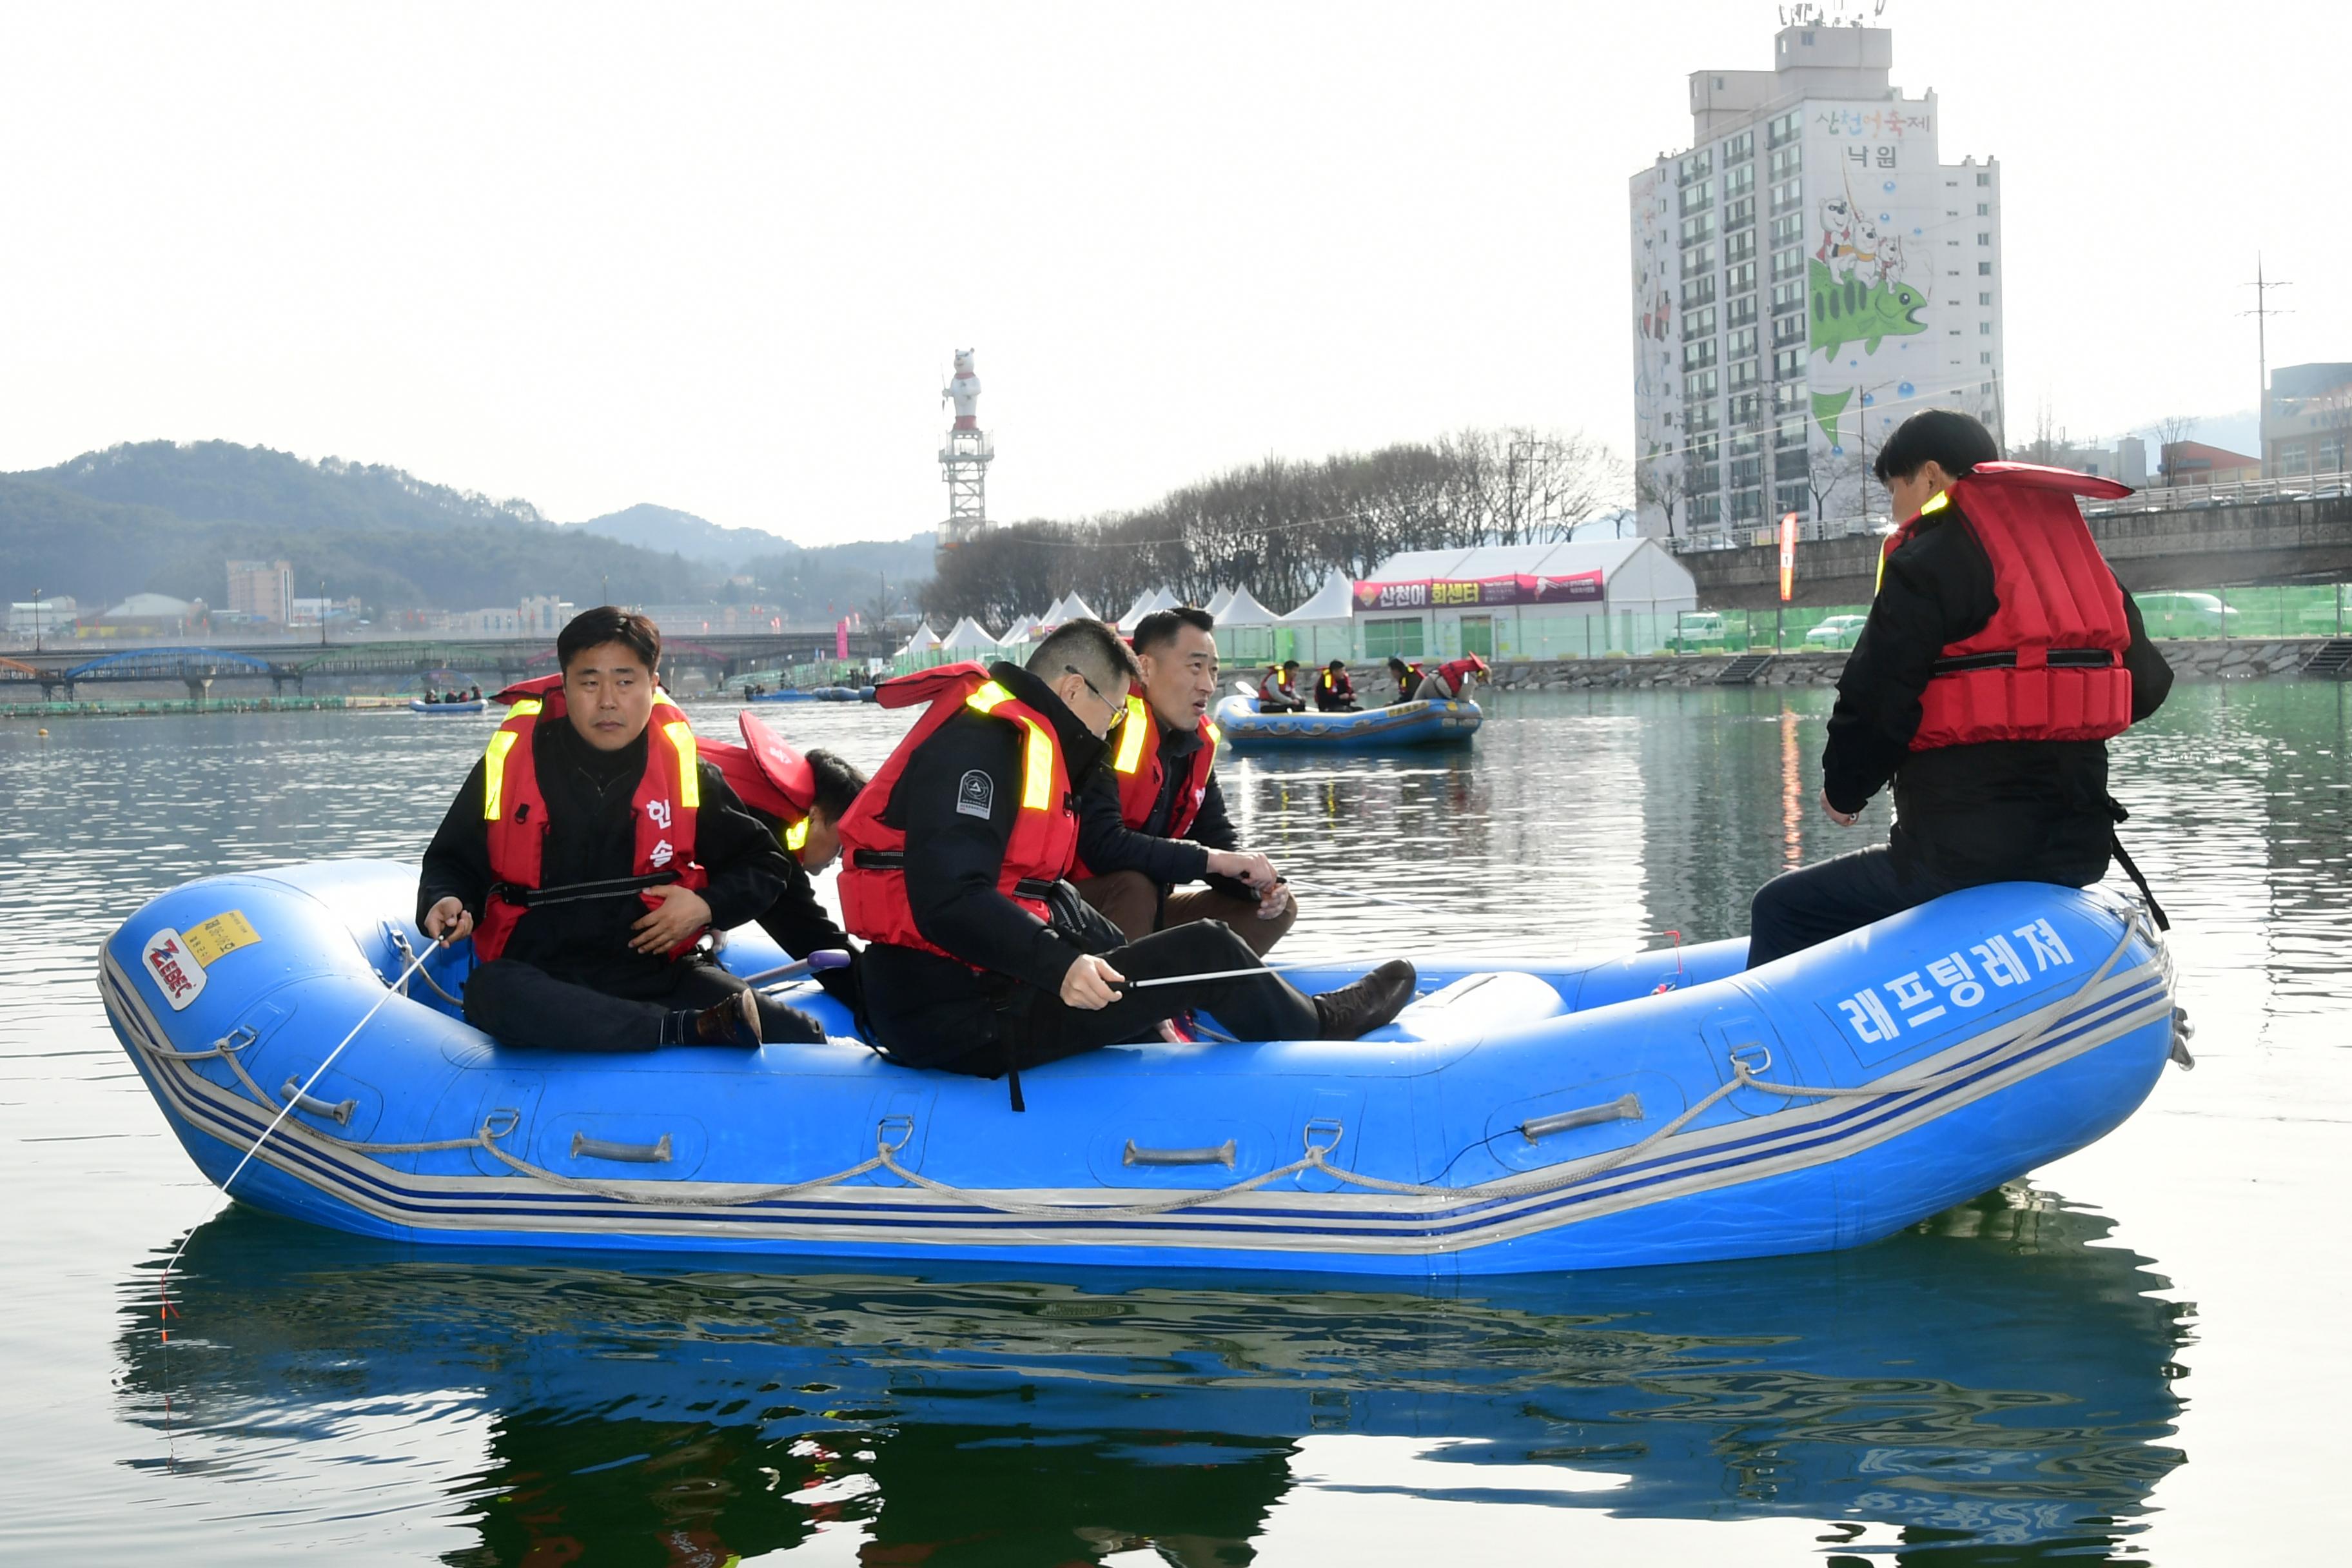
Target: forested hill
(162, 517)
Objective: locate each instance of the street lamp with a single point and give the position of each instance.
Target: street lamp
(36, 620)
(323, 612)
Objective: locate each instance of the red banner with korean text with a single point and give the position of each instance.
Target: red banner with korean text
(1478, 592)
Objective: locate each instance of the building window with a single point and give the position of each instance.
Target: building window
(1396, 636)
(1703, 417)
(1698, 384)
(1985, 358)
(1697, 166)
(1787, 127)
(1787, 264)
(1698, 291)
(1788, 437)
(2293, 458)
(1699, 323)
(1984, 176)
(1700, 259)
(1741, 312)
(1739, 248)
(1984, 209)
(1787, 396)
(1984, 236)
(1740, 146)
(1742, 410)
(1698, 198)
(1984, 328)
(1746, 506)
(1985, 300)
(1796, 498)
(1700, 229)
(1698, 356)
(1787, 231)
(1739, 215)
(1987, 389)
(1788, 196)
(2331, 455)
(1788, 364)
(1741, 343)
(1788, 161)
(1741, 181)
(1787, 296)
(1984, 269)
(1789, 330)
(1739, 279)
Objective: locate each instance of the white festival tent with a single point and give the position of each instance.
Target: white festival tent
(1324, 628)
(968, 636)
(1147, 604)
(1245, 630)
(1243, 610)
(1019, 633)
(923, 641)
(1219, 600)
(1334, 601)
(1070, 607)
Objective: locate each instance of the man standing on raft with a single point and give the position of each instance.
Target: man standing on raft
(1999, 657)
(981, 959)
(1154, 816)
(587, 853)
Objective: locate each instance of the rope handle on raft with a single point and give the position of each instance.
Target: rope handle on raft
(1329, 1131)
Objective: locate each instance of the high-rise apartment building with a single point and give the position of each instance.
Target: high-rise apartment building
(262, 589)
(1807, 276)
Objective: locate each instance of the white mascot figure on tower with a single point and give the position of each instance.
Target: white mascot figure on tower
(965, 390)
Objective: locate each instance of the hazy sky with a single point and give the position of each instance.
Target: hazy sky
(717, 257)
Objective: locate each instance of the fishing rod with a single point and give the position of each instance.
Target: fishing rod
(1340, 892)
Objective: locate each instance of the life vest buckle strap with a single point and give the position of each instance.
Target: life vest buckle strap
(524, 898)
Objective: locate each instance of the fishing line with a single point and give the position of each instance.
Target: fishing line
(165, 1309)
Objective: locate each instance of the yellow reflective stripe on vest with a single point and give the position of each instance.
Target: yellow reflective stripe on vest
(689, 774)
(795, 835)
(1130, 740)
(1037, 768)
(494, 758)
(987, 697)
(1216, 735)
(1936, 502)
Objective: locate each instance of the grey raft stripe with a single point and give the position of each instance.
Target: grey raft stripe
(1333, 1210)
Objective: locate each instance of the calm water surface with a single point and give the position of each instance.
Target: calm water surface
(2140, 1354)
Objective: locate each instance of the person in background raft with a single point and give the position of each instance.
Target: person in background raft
(981, 959)
(1451, 679)
(586, 854)
(1334, 691)
(1999, 657)
(1408, 679)
(1155, 816)
(1277, 689)
(800, 798)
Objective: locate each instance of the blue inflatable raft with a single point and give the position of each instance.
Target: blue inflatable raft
(444, 709)
(1416, 723)
(1661, 1108)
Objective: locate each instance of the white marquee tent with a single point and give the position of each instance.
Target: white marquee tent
(969, 638)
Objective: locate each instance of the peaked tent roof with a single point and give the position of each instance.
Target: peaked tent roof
(1073, 608)
(1335, 601)
(1018, 632)
(1146, 605)
(923, 641)
(1219, 600)
(1243, 610)
(967, 633)
(1504, 560)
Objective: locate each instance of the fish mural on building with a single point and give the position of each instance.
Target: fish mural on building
(1852, 311)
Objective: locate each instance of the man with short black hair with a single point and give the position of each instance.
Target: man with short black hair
(800, 797)
(1999, 657)
(1335, 693)
(980, 957)
(1277, 689)
(1155, 818)
(588, 851)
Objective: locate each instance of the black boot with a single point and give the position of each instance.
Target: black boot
(780, 1025)
(1354, 1011)
(734, 1022)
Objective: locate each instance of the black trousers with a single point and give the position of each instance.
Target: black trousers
(1039, 1027)
(521, 1005)
(1797, 908)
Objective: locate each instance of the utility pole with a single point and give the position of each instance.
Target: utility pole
(323, 612)
(2262, 313)
(36, 620)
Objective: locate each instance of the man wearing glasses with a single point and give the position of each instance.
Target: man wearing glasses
(981, 959)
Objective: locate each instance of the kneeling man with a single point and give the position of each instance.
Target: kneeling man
(587, 853)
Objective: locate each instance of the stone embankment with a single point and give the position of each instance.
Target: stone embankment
(2235, 658)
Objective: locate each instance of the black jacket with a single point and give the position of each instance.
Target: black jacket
(1106, 843)
(2024, 810)
(591, 837)
(800, 923)
(924, 1008)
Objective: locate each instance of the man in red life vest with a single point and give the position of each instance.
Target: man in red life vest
(1277, 689)
(1154, 817)
(1451, 679)
(1408, 679)
(587, 852)
(1334, 691)
(980, 958)
(801, 797)
(1999, 657)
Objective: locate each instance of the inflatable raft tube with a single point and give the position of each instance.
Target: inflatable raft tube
(442, 710)
(1656, 1109)
(1416, 723)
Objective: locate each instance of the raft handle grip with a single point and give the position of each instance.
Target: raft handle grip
(311, 1105)
(1222, 1154)
(586, 1148)
(1624, 1108)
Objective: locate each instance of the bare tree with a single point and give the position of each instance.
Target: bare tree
(2171, 431)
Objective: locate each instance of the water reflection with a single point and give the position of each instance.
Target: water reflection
(1996, 1378)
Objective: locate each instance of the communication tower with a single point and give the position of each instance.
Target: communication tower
(964, 459)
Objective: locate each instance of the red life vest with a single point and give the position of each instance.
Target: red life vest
(2049, 666)
(1337, 683)
(515, 810)
(1455, 673)
(1044, 842)
(771, 777)
(1135, 763)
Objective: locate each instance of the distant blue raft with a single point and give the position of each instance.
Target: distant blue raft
(1548, 1115)
(1437, 723)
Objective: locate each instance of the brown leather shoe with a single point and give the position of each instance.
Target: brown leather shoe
(1354, 1011)
(734, 1022)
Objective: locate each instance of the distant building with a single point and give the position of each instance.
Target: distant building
(311, 612)
(2195, 463)
(145, 615)
(2306, 420)
(545, 614)
(2125, 461)
(490, 623)
(1805, 278)
(53, 612)
(263, 590)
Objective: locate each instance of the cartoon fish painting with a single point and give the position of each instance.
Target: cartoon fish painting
(1849, 310)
